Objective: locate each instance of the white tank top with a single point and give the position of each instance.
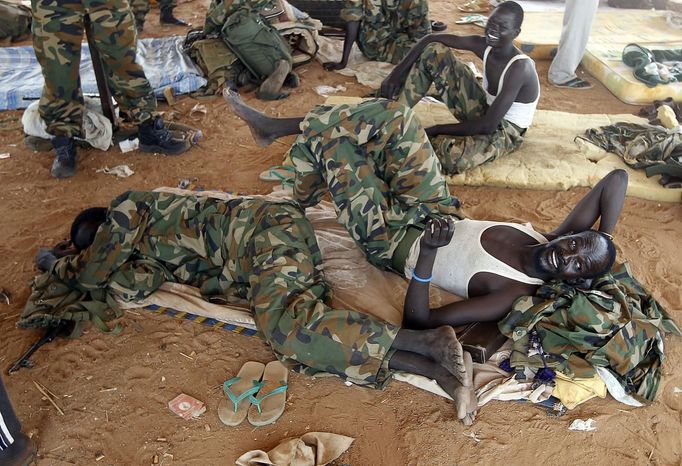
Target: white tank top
(521, 114)
(464, 257)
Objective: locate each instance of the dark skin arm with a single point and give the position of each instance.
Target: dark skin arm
(417, 313)
(391, 86)
(519, 73)
(604, 203)
(352, 31)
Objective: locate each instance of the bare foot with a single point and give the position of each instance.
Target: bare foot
(258, 122)
(446, 350)
(464, 398)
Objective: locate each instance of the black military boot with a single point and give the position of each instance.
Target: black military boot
(155, 137)
(139, 25)
(64, 165)
(166, 17)
(20, 453)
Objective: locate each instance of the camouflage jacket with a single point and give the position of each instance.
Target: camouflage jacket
(616, 325)
(220, 10)
(639, 145)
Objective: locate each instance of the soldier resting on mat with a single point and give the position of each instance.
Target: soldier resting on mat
(385, 180)
(261, 251)
(493, 118)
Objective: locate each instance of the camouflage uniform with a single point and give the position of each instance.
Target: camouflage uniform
(140, 8)
(57, 36)
(388, 28)
(616, 325)
(376, 161)
(457, 87)
(249, 249)
(220, 10)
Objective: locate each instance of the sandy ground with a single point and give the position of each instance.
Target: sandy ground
(114, 389)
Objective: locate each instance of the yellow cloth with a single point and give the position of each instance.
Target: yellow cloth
(311, 449)
(573, 392)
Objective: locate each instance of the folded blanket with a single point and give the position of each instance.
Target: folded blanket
(163, 61)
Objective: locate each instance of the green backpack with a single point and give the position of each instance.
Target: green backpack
(258, 45)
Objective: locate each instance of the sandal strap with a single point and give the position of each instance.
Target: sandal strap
(236, 399)
(258, 400)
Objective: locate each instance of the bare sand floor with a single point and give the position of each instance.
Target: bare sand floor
(114, 389)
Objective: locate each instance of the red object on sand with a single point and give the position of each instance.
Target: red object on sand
(186, 406)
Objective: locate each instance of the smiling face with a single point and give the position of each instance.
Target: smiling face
(583, 255)
(502, 28)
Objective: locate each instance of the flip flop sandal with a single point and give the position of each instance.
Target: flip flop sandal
(476, 6)
(576, 83)
(438, 26)
(268, 405)
(284, 173)
(232, 410)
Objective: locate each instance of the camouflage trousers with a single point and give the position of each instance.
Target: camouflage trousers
(388, 33)
(242, 250)
(140, 8)
(57, 35)
(376, 161)
(457, 87)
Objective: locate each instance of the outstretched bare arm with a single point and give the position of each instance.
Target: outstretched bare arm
(604, 203)
(391, 86)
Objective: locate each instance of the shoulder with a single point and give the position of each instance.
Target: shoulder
(524, 67)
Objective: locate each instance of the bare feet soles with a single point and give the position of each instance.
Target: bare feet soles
(447, 351)
(257, 121)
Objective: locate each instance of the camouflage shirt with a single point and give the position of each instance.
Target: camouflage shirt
(616, 325)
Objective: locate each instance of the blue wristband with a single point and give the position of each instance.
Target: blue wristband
(421, 280)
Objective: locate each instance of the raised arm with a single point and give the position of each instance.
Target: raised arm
(604, 203)
(392, 84)
(418, 315)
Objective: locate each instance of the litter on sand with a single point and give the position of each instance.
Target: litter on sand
(128, 145)
(584, 426)
(327, 90)
(121, 171)
(4, 155)
(186, 406)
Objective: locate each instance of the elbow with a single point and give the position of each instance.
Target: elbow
(488, 128)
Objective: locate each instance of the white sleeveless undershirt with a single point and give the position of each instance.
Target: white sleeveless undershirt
(521, 114)
(464, 257)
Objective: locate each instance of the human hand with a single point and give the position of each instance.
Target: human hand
(45, 259)
(390, 86)
(334, 66)
(438, 233)
(64, 248)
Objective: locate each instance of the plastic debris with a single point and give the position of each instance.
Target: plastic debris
(186, 406)
(584, 426)
(677, 390)
(4, 155)
(128, 145)
(121, 171)
(198, 112)
(326, 90)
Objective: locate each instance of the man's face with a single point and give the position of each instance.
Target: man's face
(571, 257)
(500, 30)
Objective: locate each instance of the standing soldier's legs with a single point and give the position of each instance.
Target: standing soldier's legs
(140, 8)
(57, 34)
(114, 35)
(166, 16)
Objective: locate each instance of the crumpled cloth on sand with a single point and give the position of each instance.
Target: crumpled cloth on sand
(97, 127)
(369, 73)
(311, 449)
